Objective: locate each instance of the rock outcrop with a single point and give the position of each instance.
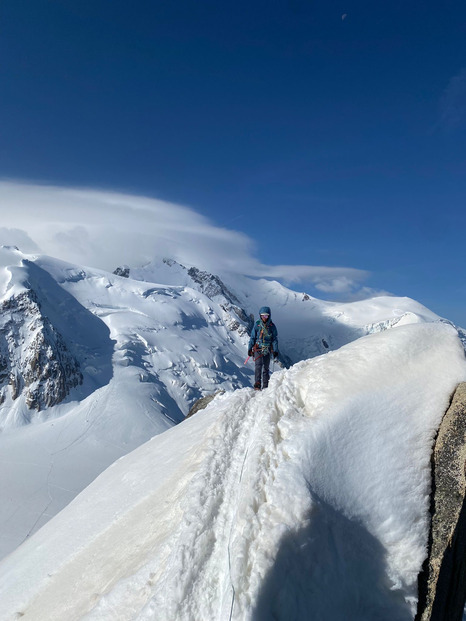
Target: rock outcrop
(215, 289)
(122, 270)
(442, 583)
(203, 402)
(34, 359)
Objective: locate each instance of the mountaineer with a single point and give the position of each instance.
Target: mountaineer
(263, 344)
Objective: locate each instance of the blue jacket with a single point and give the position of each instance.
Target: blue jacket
(264, 334)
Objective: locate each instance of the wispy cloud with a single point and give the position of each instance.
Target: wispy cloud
(453, 102)
(341, 284)
(106, 229)
(363, 293)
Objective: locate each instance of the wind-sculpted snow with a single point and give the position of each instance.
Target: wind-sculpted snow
(307, 500)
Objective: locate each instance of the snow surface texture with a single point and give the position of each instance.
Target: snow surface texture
(308, 500)
(146, 351)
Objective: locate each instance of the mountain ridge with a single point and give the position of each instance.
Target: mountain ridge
(148, 346)
(308, 498)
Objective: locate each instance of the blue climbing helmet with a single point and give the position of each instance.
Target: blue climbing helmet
(264, 310)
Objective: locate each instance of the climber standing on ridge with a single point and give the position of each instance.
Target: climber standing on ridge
(263, 344)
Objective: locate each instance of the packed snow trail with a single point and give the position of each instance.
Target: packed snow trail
(307, 500)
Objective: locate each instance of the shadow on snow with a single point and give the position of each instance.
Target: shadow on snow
(332, 569)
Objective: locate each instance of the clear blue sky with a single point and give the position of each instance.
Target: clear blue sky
(331, 132)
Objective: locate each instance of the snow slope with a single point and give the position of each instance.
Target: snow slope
(147, 346)
(308, 500)
(307, 326)
(146, 351)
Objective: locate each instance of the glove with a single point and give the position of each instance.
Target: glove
(275, 355)
(249, 352)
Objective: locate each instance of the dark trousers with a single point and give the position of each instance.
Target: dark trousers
(261, 371)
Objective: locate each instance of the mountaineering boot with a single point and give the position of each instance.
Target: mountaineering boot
(257, 386)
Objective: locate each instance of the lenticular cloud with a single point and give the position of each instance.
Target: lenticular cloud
(105, 229)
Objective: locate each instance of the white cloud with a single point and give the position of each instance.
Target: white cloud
(341, 284)
(106, 229)
(17, 237)
(340, 281)
(364, 293)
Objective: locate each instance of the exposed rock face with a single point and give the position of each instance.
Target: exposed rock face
(442, 584)
(122, 270)
(211, 286)
(34, 359)
(202, 403)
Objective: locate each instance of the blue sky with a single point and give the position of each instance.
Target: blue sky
(332, 133)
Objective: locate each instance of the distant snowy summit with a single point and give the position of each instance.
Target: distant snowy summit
(64, 327)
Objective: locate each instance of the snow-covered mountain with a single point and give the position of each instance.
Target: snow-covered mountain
(49, 346)
(65, 329)
(308, 500)
(93, 364)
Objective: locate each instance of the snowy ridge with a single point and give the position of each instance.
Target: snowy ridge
(147, 347)
(310, 498)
